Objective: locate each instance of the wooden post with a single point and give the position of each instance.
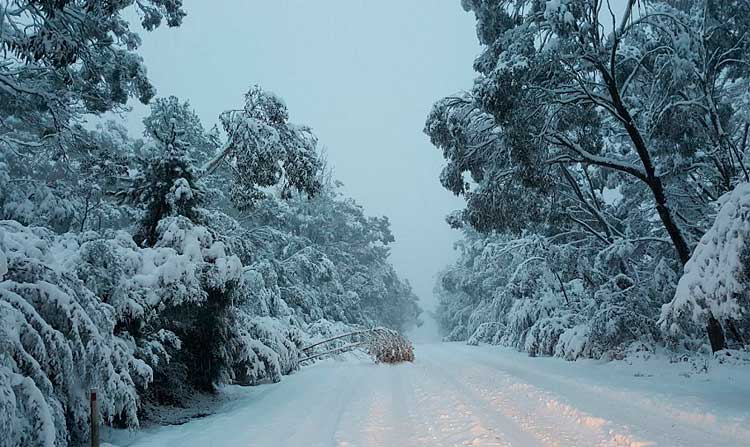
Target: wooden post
(94, 419)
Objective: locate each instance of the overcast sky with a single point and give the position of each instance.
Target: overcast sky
(362, 73)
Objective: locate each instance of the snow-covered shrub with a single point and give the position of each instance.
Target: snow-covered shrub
(716, 280)
(457, 333)
(624, 314)
(574, 343)
(57, 342)
(140, 283)
(173, 299)
(544, 336)
(514, 292)
(263, 349)
(732, 357)
(486, 333)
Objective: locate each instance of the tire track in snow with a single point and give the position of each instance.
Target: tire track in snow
(458, 416)
(627, 414)
(372, 417)
(552, 422)
(317, 426)
(621, 418)
(453, 395)
(406, 406)
(510, 401)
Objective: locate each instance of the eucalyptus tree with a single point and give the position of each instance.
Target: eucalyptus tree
(64, 59)
(62, 63)
(566, 87)
(263, 149)
(611, 134)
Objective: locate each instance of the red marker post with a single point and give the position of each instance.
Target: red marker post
(94, 419)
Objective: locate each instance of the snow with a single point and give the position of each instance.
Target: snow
(455, 394)
(182, 190)
(558, 10)
(612, 196)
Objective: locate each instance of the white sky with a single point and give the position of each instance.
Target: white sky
(362, 73)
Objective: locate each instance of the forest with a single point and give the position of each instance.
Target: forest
(603, 164)
(601, 157)
(150, 268)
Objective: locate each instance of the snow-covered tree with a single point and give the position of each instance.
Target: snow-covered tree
(67, 194)
(196, 276)
(556, 95)
(334, 260)
(167, 183)
(172, 119)
(63, 59)
(62, 62)
(56, 342)
(541, 298)
(607, 137)
(263, 149)
(715, 288)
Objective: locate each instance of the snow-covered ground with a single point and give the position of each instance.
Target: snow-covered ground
(458, 395)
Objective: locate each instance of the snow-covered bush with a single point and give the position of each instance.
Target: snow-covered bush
(716, 280)
(533, 300)
(56, 342)
(486, 333)
(544, 336)
(574, 343)
(264, 349)
(171, 299)
(624, 313)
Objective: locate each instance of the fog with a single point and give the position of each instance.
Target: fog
(362, 74)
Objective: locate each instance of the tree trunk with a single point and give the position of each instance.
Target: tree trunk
(715, 334)
(714, 329)
(652, 178)
(667, 219)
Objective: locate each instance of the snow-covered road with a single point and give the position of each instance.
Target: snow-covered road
(457, 395)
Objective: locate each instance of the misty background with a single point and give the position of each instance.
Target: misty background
(362, 74)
